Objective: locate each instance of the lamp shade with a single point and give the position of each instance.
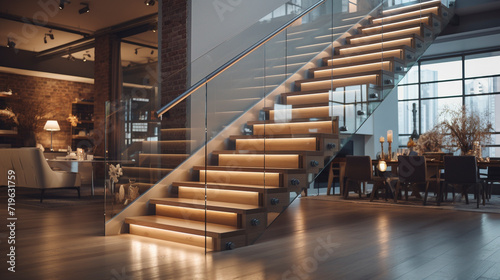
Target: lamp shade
(51, 126)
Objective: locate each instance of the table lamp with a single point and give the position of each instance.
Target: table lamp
(51, 126)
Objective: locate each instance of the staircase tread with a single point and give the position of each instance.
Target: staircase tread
(250, 169)
(144, 168)
(361, 35)
(407, 48)
(225, 185)
(412, 7)
(318, 135)
(432, 15)
(339, 77)
(413, 36)
(186, 226)
(407, 14)
(292, 93)
(210, 205)
(293, 121)
(391, 58)
(252, 152)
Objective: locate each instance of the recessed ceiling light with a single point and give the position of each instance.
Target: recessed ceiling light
(150, 2)
(10, 44)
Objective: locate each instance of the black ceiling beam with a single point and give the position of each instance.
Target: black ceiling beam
(140, 44)
(71, 47)
(137, 24)
(48, 25)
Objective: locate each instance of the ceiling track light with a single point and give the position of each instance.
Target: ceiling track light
(85, 55)
(51, 36)
(150, 2)
(85, 9)
(61, 4)
(10, 44)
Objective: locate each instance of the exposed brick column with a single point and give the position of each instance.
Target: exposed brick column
(106, 83)
(174, 58)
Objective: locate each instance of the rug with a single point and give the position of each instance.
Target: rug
(492, 206)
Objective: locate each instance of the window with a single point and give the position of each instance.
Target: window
(472, 80)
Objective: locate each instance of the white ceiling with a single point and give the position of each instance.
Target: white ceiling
(103, 14)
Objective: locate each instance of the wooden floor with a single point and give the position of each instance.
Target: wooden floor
(311, 240)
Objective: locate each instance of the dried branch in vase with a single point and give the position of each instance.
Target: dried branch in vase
(431, 141)
(463, 127)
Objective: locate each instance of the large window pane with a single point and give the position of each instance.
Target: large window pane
(441, 89)
(482, 85)
(442, 69)
(431, 108)
(484, 64)
(411, 76)
(487, 106)
(408, 92)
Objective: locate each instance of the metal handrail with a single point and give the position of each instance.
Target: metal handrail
(237, 58)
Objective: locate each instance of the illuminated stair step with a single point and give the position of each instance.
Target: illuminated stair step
(234, 187)
(162, 160)
(299, 127)
(221, 195)
(248, 217)
(420, 30)
(411, 7)
(392, 64)
(328, 144)
(195, 233)
(430, 20)
(404, 53)
(145, 173)
(305, 98)
(311, 161)
(248, 160)
(402, 16)
(412, 41)
(271, 197)
(167, 146)
(272, 179)
(379, 77)
(174, 133)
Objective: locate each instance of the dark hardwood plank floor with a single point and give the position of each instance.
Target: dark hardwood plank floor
(313, 239)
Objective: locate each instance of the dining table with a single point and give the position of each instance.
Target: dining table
(434, 169)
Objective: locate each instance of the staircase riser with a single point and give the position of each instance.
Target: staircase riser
(293, 128)
(229, 219)
(403, 54)
(309, 144)
(267, 179)
(163, 161)
(177, 237)
(250, 198)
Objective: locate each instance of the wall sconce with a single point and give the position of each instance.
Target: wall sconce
(51, 126)
(10, 44)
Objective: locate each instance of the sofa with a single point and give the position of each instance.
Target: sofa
(33, 171)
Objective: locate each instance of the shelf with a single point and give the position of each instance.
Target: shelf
(80, 137)
(7, 132)
(84, 103)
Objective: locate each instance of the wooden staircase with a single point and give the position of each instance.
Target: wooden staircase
(230, 202)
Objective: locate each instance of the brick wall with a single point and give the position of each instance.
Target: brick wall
(174, 59)
(102, 86)
(56, 95)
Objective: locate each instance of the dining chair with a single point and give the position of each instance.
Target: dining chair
(412, 171)
(462, 171)
(359, 170)
(492, 176)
